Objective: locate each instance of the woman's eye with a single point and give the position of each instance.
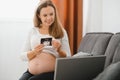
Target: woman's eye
(44, 15)
(51, 14)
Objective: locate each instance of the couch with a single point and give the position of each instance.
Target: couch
(104, 43)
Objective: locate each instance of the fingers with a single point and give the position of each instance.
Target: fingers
(56, 44)
(38, 48)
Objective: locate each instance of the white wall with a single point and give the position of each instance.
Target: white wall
(12, 37)
(111, 15)
(14, 9)
(101, 16)
(16, 18)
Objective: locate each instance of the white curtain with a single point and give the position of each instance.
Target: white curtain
(92, 16)
(101, 16)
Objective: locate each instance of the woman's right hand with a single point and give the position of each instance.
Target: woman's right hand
(38, 49)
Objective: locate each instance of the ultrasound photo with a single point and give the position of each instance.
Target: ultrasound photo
(46, 41)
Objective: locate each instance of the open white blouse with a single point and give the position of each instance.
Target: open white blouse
(34, 38)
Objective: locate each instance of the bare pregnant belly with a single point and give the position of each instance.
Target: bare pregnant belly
(43, 62)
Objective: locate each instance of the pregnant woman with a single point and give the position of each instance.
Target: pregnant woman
(41, 59)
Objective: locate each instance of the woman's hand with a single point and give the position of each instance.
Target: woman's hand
(56, 44)
(38, 49)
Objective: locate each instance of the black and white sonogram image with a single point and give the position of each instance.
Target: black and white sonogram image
(46, 41)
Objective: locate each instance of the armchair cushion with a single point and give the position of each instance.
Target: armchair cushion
(95, 43)
(112, 72)
(112, 51)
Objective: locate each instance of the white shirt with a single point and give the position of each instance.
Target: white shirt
(34, 38)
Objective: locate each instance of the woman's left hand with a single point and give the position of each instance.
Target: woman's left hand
(56, 44)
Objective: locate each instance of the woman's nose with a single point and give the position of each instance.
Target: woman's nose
(48, 17)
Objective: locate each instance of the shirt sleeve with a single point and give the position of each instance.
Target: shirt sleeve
(65, 44)
(26, 47)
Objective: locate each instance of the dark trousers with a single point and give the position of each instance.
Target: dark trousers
(44, 76)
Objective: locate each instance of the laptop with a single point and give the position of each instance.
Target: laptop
(79, 68)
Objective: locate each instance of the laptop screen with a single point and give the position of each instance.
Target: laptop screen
(79, 68)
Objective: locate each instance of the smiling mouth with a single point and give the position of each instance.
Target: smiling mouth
(49, 22)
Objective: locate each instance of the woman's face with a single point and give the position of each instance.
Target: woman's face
(47, 15)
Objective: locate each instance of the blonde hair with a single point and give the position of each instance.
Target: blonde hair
(55, 29)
